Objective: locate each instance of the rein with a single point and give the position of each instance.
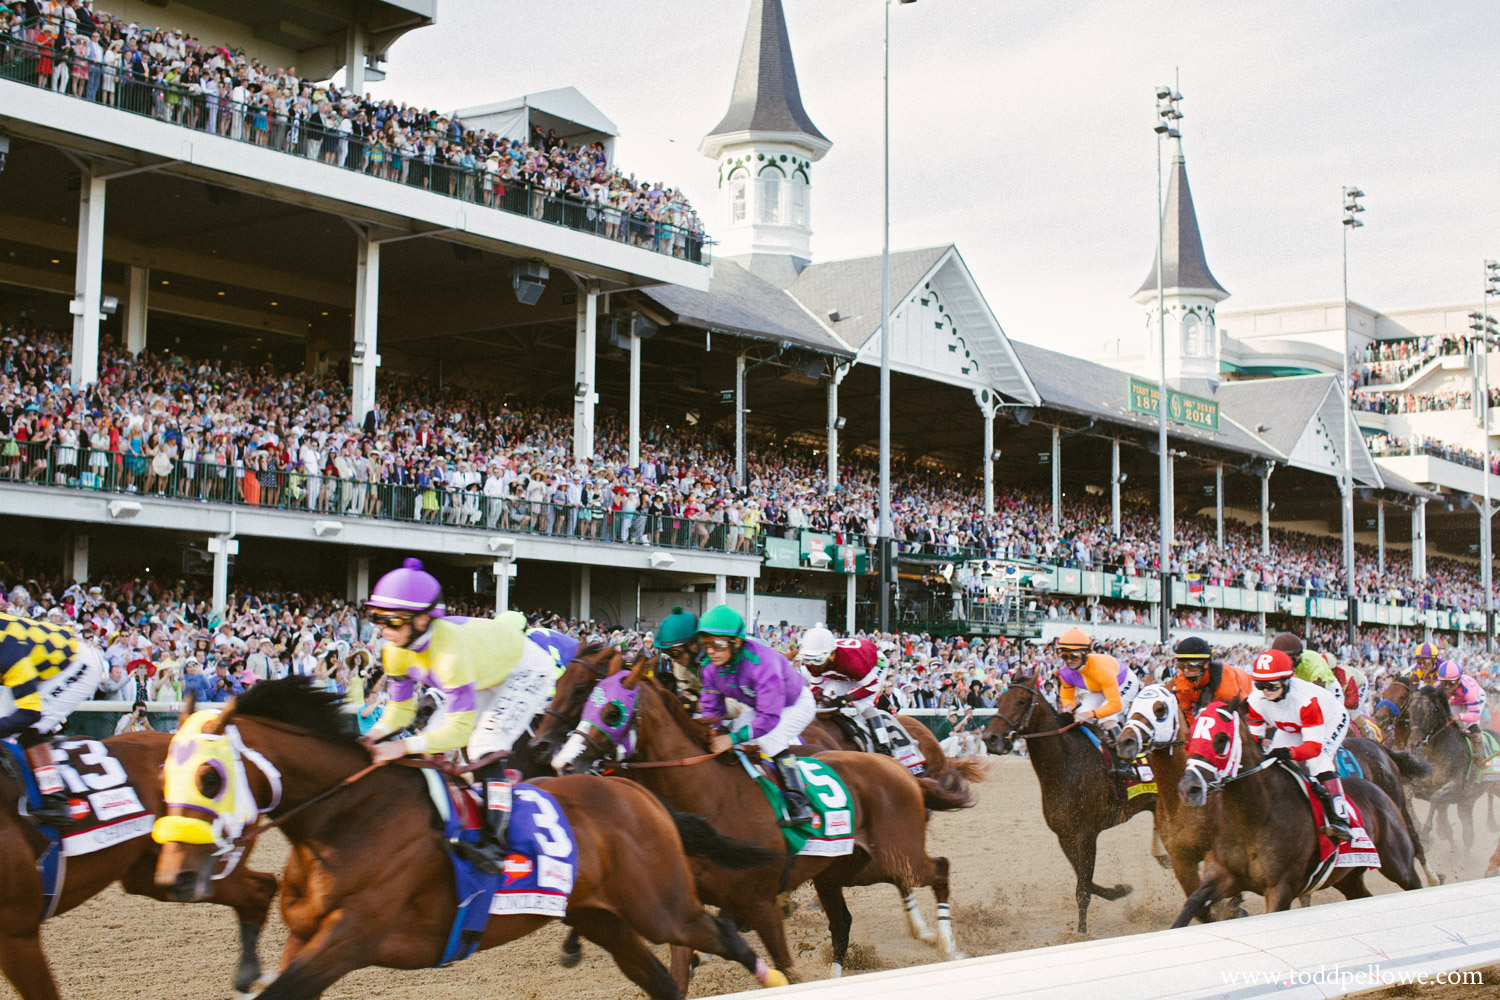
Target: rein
(250, 835)
(1026, 717)
(684, 762)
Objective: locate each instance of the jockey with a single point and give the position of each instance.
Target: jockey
(490, 683)
(1310, 723)
(1426, 663)
(846, 672)
(1309, 664)
(678, 639)
(45, 672)
(1467, 699)
(742, 667)
(1200, 679)
(1094, 687)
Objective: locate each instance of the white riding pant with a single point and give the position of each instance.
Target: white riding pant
(837, 687)
(1332, 739)
(506, 711)
(69, 687)
(1088, 701)
(794, 718)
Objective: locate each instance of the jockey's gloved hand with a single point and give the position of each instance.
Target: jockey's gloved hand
(1280, 753)
(1066, 718)
(839, 701)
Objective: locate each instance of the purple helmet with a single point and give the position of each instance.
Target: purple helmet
(1449, 671)
(410, 588)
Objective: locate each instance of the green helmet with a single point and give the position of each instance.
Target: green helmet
(722, 620)
(677, 628)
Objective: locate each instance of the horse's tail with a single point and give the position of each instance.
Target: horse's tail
(945, 796)
(972, 768)
(1409, 765)
(701, 840)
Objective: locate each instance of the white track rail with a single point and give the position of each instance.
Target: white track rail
(1430, 931)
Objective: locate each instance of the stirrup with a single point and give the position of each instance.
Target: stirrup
(487, 855)
(1338, 832)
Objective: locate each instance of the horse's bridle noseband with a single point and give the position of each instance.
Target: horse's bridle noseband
(1016, 727)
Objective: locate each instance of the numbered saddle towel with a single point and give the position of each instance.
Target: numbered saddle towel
(1359, 852)
(903, 748)
(104, 807)
(831, 832)
(1142, 780)
(1490, 769)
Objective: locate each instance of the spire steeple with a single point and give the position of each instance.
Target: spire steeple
(766, 98)
(1183, 263)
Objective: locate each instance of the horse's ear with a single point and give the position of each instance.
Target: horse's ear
(637, 673)
(189, 705)
(617, 663)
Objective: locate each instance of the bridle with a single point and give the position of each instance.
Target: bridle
(1017, 727)
(1397, 712)
(599, 672)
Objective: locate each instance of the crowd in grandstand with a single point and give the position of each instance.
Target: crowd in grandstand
(73, 48)
(1383, 362)
(1418, 402)
(1417, 444)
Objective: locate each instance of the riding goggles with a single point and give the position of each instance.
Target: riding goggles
(718, 645)
(385, 620)
(1270, 685)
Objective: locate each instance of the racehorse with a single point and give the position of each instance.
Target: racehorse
(1080, 799)
(1454, 780)
(131, 862)
(369, 881)
(1390, 713)
(1264, 839)
(890, 818)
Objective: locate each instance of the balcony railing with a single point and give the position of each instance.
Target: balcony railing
(262, 125)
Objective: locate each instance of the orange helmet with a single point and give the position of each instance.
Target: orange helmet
(1272, 665)
(1074, 640)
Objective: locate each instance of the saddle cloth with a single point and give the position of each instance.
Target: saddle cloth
(1359, 852)
(1348, 764)
(540, 868)
(831, 832)
(903, 748)
(1490, 770)
(1142, 780)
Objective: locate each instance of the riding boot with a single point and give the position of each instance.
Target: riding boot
(489, 851)
(53, 810)
(798, 809)
(1477, 749)
(1120, 767)
(1335, 813)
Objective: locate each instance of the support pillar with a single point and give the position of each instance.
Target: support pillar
(1380, 536)
(721, 589)
(503, 569)
(222, 547)
(585, 358)
(988, 458)
(1419, 540)
(739, 421)
(1114, 487)
(833, 427)
(364, 357)
(356, 45)
(1171, 487)
(750, 604)
(88, 280)
(585, 591)
(635, 400)
(1265, 513)
(1219, 502)
(850, 589)
(358, 579)
(137, 297)
(79, 563)
(1056, 475)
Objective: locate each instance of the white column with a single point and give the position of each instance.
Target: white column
(365, 357)
(222, 547)
(79, 567)
(88, 279)
(358, 584)
(502, 569)
(1056, 475)
(1380, 535)
(357, 43)
(739, 421)
(137, 297)
(1419, 540)
(585, 590)
(1265, 514)
(585, 350)
(635, 399)
(833, 430)
(1114, 487)
(988, 458)
(721, 589)
(750, 604)
(849, 591)
(1219, 502)
(1171, 501)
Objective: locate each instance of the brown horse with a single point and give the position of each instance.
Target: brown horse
(1454, 780)
(131, 862)
(890, 818)
(369, 881)
(1079, 795)
(1264, 839)
(1390, 713)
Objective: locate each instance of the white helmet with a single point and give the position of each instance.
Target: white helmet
(816, 645)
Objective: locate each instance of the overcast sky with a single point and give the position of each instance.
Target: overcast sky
(1021, 131)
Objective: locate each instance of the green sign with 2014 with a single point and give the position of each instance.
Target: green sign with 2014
(1194, 411)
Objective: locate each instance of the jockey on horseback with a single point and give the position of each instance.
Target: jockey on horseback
(1200, 679)
(744, 668)
(489, 680)
(1094, 688)
(846, 674)
(1467, 699)
(1309, 664)
(45, 671)
(1425, 668)
(1310, 723)
(678, 639)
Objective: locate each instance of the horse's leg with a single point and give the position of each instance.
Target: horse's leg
(1353, 885)
(24, 964)
(914, 919)
(310, 966)
(1081, 850)
(839, 920)
(682, 965)
(1280, 897)
(1493, 868)
(572, 951)
(1466, 821)
(628, 950)
(937, 878)
(764, 917)
(1158, 849)
(1200, 899)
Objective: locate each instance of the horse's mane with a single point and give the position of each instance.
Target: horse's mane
(1436, 697)
(696, 729)
(590, 648)
(292, 701)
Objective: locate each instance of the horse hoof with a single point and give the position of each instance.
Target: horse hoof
(569, 959)
(1164, 860)
(1239, 911)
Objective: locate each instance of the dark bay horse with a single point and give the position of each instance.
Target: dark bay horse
(1390, 713)
(1438, 738)
(890, 815)
(369, 883)
(1079, 797)
(1264, 838)
(130, 862)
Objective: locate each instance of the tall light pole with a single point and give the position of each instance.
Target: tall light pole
(883, 543)
(1352, 208)
(1484, 325)
(1167, 116)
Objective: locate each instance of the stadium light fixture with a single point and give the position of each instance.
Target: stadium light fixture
(1167, 116)
(662, 560)
(839, 423)
(1352, 208)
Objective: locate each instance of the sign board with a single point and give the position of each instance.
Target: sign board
(726, 395)
(1192, 411)
(783, 553)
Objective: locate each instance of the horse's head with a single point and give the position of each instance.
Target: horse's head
(1393, 703)
(606, 726)
(1152, 719)
(1013, 713)
(1430, 711)
(1214, 749)
(592, 663)
(209, 803)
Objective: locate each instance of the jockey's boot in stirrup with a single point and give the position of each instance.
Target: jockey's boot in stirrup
(1335, 825)
(798, 811)
(1121, 768)
(1477, 749)
(53, 810)
(488, 853)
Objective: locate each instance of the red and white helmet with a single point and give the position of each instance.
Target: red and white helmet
(1272, 665)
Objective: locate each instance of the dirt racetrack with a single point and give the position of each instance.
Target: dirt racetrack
(1012, 889)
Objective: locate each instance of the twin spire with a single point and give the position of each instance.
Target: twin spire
(766, 98)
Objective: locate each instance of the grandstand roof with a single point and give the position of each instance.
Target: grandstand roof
(564, 109)
(766, 97)
(1183, 263)
(851, 288)
(740, 302)
(1302, 416)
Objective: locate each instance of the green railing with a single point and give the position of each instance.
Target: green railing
(313, 137)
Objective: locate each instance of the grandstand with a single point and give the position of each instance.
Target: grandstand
(596, 337)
